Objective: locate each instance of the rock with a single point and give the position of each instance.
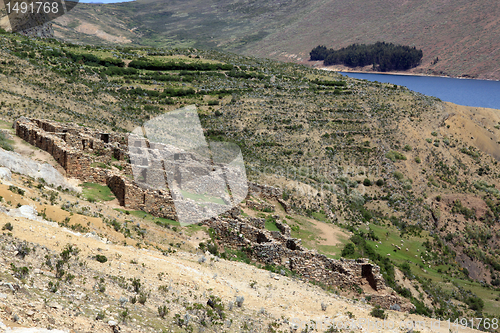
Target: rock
(5, 173)
(395, 307)
(54, 305)
(112, 323)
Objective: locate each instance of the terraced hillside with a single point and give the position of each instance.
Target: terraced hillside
(411, 180)
(461, 35)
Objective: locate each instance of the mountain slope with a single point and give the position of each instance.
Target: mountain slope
(413, 180)
(463, 35)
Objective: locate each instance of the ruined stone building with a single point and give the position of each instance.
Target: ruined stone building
(154, 177)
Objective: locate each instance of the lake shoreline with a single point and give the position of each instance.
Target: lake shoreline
(467, 92)
(344, 70)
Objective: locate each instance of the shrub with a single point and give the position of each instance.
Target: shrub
(142, 298)
(22, 250)
(348, 250)
(53, 286)
(380, 182)
(16, 189)
(162, 311)
(136, 284)
(8, 226)
(407, 148)
(124, 315)
(398, 175)
(367, 182)
(19, 272)
(377, 312)
(101, 258)
(417, 159)
(395, 155)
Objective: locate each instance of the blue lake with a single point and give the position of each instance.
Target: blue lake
(470, 92)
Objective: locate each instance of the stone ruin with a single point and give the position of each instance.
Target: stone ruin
(96, 157)
(280, 249)
(105, 158)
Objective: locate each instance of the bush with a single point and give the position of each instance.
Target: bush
(101, 258)
(142, 298)
(377, 312)
(8, 226)
(348, 250)
(19, 272)
(367, 182)
(162, 311)
(15, 189)
(398, 175)
(22, 250)
(395, 155)
(136, 284)
(380, 182)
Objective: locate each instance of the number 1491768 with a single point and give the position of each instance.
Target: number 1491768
(476, 323)
(38, 7)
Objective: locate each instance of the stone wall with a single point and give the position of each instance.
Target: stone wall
(261, 205)
(269, 192)
(279, 248)
(80, 151)
(265, 191)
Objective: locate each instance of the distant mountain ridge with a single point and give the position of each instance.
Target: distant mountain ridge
(463, 35)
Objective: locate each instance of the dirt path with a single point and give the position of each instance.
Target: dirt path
(330, 235)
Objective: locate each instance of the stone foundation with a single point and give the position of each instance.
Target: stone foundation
(279, 248)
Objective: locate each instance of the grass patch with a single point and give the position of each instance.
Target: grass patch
(100, 165)
(4, 143)
(320, 216)
(161, 221)
(395, 155)
(271, 225)
(95, 192)
(202, 197)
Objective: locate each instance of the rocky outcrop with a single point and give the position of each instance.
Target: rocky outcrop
(41, 31)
